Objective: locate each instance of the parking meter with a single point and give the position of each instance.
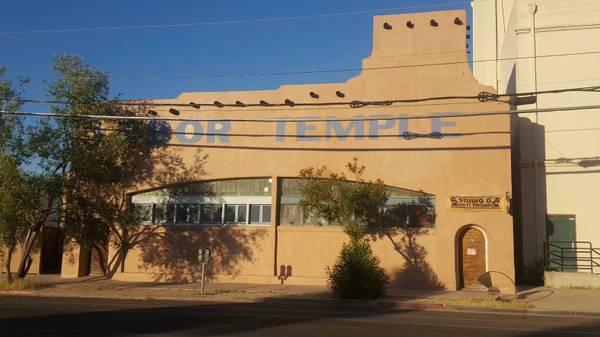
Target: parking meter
(204, 259)
(206, 255)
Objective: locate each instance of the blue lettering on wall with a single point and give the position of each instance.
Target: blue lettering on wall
(403, 123)
(301, 128)
(221, 131)
(192, 138)
(379, 124)
(335, 129)
(437, 123)
(280, 131)
(310, 129)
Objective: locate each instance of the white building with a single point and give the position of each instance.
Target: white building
(537, 45)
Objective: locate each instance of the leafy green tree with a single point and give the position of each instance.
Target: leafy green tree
(102, 160)
(329, 196)
(10, 209)
(20, 191)
(10, 148)
(84, 167)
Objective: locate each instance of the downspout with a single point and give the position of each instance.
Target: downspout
(533, 7)
(496, 42)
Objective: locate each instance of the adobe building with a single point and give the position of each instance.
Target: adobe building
(449, 176)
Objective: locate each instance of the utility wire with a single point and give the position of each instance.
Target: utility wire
(318, 71)
(482, 97)
(406, 135)
(215, 23)
(312, 120)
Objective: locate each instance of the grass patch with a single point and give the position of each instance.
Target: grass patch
(17, 284)
(482, 303)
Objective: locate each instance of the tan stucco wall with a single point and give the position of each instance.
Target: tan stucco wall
(471, 165)
(16, 257)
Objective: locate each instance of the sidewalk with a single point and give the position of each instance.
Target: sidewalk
(537, 300)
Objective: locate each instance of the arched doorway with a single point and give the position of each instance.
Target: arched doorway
(471, 257)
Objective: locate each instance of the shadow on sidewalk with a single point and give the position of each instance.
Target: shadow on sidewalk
(273, 317)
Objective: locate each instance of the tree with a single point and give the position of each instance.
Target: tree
(331, 197)
(20, 190)
(21, 211)
(102, 160)
(84, 167)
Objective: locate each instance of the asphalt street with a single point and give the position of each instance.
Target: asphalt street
(38, 316)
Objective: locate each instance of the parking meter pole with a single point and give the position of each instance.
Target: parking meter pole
(203, 276)
(203, 258)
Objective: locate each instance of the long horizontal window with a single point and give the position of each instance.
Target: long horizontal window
(406, 215)
(403, 208)
(210, 214)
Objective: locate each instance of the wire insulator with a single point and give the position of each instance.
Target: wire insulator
(485, 96)
(357, 104)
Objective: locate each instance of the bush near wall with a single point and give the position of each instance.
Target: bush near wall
(357, 274)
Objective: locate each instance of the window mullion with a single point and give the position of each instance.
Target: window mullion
(223, 214)
(248, 214)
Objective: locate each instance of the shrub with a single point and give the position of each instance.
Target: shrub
(357, 274)
(16, 284)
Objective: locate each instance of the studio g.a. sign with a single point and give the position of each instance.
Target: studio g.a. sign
(477, 203)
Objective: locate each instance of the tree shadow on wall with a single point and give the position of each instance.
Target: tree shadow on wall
(416, 273)
(173, 256)
(99, 215)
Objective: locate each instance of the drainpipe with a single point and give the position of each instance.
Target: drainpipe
(533, 7)
(496, 43)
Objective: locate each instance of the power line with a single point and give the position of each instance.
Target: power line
(215, 23)
(406, 135)
(481, 97)
(316, 109)
(318, 71)
(312, 120)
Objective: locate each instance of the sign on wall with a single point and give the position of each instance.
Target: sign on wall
(477, 203)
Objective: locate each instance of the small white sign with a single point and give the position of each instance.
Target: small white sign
(471, 251)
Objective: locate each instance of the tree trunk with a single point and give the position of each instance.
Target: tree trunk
(8, 261)
(117, 262)
(25, 262)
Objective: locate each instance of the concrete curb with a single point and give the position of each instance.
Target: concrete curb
(383, 304)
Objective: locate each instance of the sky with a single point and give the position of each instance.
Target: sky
(289, 45)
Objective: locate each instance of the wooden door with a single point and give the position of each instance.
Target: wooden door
(472, 258)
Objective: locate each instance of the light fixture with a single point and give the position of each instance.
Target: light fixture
(174, 111)
(240, 103)
(387, 26)
(340, 94)
(195, 105)
(289, 102)
(313, 94)
(523, 100)
(433, 23)
(585, 163)
(218, 104)
(264, 103)
(458, 21)
(152, 113)
(409, 24)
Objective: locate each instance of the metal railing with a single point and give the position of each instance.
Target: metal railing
(572, 256)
